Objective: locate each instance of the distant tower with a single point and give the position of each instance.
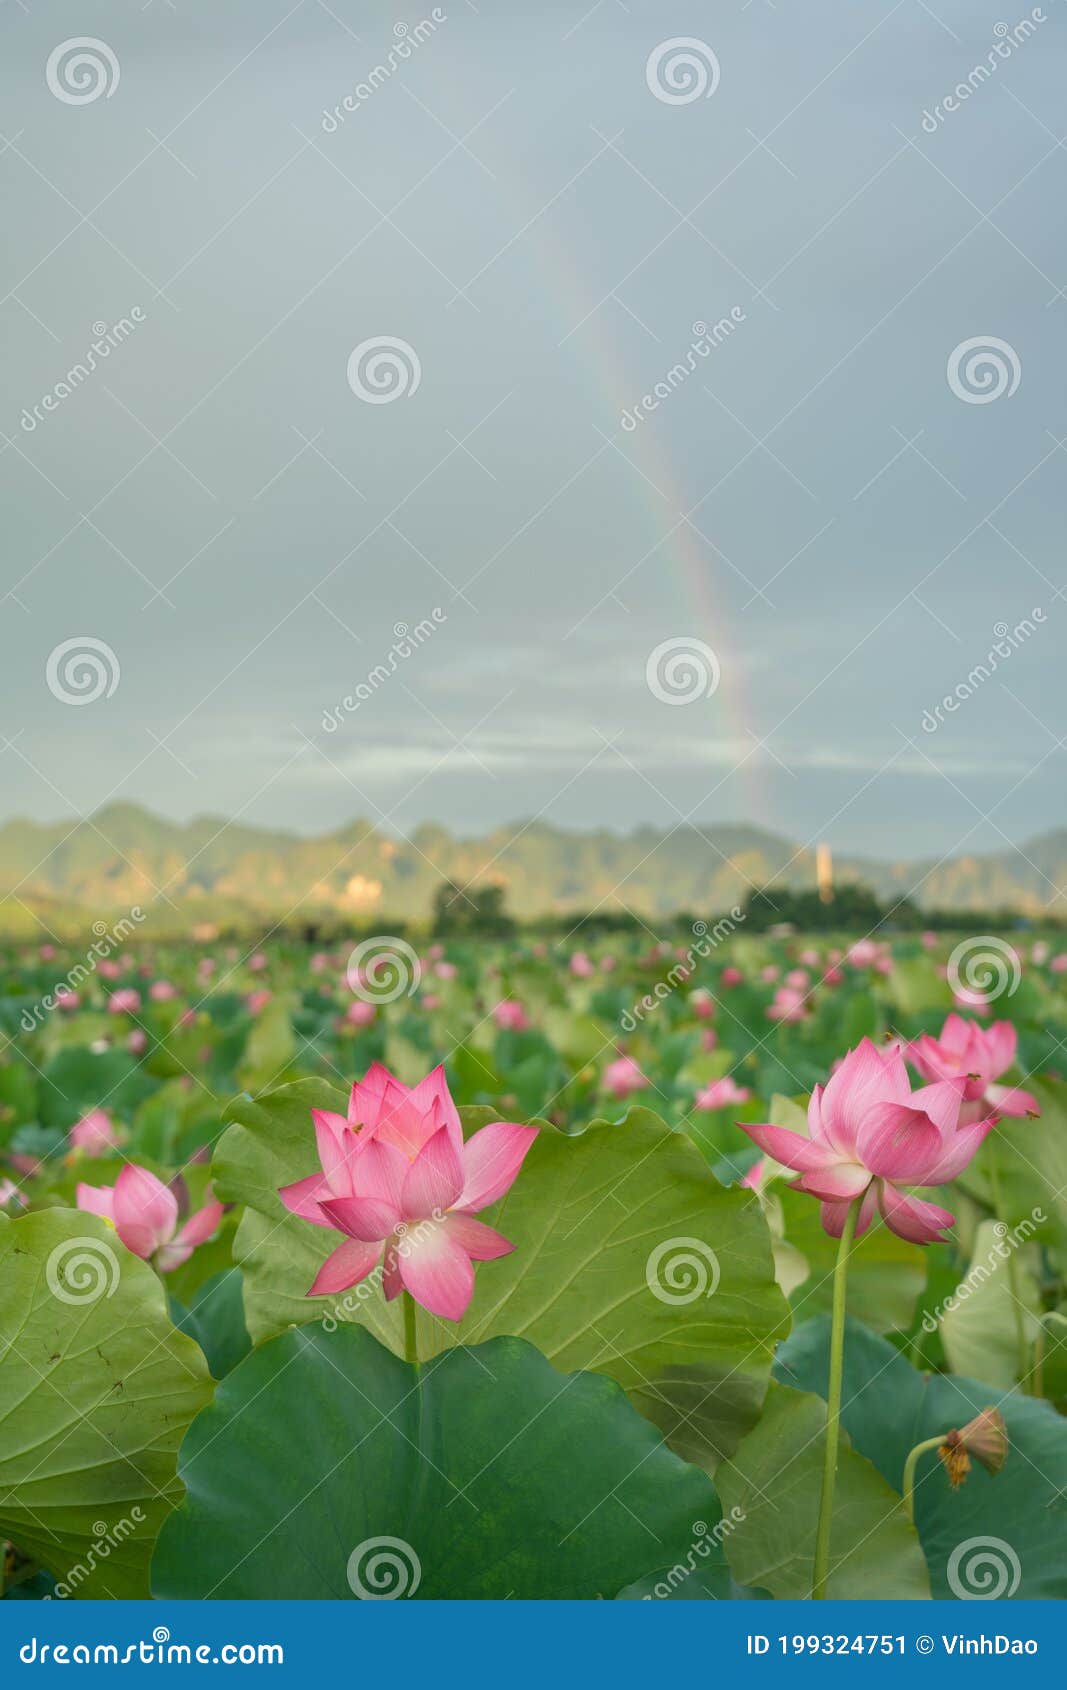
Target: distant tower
(824, 872)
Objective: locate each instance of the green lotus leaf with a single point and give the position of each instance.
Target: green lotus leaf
(97, 1389)
(483, 1474)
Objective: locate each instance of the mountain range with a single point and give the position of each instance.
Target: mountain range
(213, 871)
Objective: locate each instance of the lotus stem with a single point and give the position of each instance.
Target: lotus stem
(909, 1471)
(1038, 1375)
(1015, 1288)
(820, 1573)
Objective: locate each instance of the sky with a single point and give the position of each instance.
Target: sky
(390, 299)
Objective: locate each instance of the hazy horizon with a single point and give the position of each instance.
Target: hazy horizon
(519, 825)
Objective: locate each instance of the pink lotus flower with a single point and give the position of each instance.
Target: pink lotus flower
(10, 1193)
(972, 1002)
(510, 1014)
(360, 1014)
(256, 1002)
(798, 978)
(161, 991)
(581, 965)
(702, 1004)
(445, 970)
(94, 1133)
(731, 976)
(623, 1076)
(137, 1042)
(66, 999)
(108, 970)
(1058, 965)
(871, 1135)
(258, 962)
(754, 1178)
(769, 973)
(788, 1005)
(865, 953)
(124, 1002)
(980, 1055)
(144, 1213)
(720, 1093)
(709, 1038)
(398, 1178)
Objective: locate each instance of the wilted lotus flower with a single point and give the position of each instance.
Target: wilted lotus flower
(985, 1437)
(871, 1135)
(979, 1055)
(398, 1179)
(94, 1133)
(623, 1076)
(144, 1213)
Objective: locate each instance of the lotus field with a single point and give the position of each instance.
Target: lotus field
(597, 1267)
